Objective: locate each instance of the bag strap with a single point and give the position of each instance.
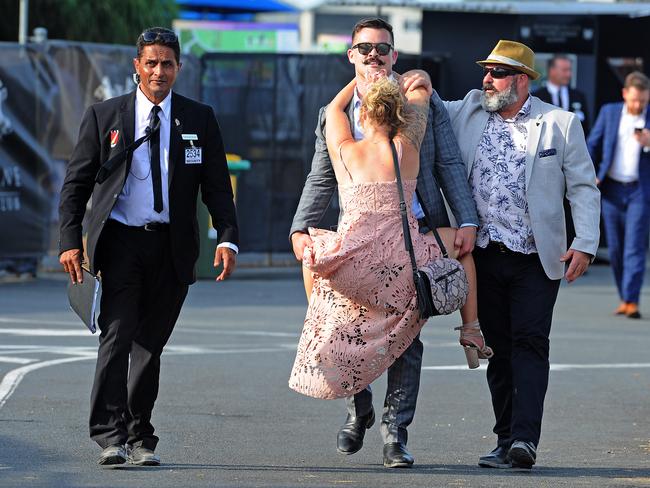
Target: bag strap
(430, 225)
(402, 209)
(109, 167)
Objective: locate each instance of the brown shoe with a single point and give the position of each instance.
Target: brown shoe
(622, 309)
(632, 311)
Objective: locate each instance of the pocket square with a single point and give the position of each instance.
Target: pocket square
(547, 152)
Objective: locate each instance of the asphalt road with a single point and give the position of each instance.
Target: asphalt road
(226, 417)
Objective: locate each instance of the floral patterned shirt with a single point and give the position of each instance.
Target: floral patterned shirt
(498, 181)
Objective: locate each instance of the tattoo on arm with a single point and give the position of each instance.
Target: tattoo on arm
(416, 124)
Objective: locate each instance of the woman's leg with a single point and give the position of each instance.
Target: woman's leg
(308, 280)
(469, 312)
(470, 332)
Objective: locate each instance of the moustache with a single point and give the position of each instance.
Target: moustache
(488, 86)
(373, 60)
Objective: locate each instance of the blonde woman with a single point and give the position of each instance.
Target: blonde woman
(362, 311)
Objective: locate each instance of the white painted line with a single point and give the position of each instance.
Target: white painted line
(48, 332)
(17, 320)
(13, 378)
(10, 359)
(554, 367)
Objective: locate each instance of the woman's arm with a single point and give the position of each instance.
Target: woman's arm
(337, 124)
(416, 114)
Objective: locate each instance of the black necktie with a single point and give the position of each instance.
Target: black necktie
(154, 158)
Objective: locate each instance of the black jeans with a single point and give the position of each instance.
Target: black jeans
(515, 308)
(141, 300)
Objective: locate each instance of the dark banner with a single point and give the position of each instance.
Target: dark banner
(266, 104)
(44, 91)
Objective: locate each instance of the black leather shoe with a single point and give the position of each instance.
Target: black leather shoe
(396, 456)
(111, 455)
(522, 454)
(351, 433)
(496, 459)
(141, 456)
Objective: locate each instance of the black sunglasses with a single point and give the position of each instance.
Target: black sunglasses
(500, 73)
(166, 37)
(383, 48)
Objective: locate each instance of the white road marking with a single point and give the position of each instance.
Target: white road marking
(11, 359)
(554, 366)
(47, 332)
(13, 378)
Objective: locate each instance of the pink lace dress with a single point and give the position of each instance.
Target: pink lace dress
(362, 314)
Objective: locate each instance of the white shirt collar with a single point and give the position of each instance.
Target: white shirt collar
(145, 105)
(553, 88)
(642, 115)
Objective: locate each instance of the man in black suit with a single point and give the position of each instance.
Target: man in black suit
(558, 91)
(142, 234)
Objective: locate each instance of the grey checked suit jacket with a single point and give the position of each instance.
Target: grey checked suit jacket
(440, 164)
(558, 164)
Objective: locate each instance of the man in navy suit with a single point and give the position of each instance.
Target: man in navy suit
(619, 144)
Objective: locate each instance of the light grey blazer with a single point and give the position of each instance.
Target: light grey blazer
(549, 177)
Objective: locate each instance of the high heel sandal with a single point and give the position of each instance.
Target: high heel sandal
(473, 344)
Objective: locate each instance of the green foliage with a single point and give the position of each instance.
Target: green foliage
(105, 21)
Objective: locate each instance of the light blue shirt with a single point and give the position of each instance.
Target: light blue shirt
(134, 204)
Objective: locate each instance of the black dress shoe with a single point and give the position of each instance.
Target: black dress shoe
(351, 433)
(111, 455)
(396, 456)
(522, 454)
(496, 459)
(142, 456)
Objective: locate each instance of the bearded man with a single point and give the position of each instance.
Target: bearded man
(523, 156)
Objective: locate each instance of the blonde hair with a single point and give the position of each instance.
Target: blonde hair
(384, 105)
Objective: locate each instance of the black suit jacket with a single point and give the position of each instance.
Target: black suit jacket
(577, 103)
(94, 148)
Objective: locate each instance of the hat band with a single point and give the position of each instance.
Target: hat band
(506, 60)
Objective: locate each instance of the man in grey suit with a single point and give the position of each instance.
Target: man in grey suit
(523, 156)
(373, 52)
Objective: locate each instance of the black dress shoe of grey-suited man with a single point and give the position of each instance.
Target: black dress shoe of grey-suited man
(351, 433)
(396, 456)
(498, 458)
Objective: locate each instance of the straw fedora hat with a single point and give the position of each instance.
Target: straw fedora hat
(514, 54)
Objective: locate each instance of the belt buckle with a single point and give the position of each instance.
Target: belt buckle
(501, 247)
(150, 227)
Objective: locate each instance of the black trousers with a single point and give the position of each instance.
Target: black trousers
(141, 300)
(515, 308)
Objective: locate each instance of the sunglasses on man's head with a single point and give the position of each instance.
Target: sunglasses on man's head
(151, 36)
(383, 48)
(499, 73)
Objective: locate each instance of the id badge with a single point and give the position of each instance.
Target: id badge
(192, 155)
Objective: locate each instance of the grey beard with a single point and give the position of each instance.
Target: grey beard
(500, 100)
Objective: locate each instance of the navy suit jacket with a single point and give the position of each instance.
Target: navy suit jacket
(602, 142)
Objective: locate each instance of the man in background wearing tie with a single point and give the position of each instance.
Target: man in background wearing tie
(619, 145)
(559, 92)
(142, 157)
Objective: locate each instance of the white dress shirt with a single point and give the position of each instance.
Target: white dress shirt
(559, 95)
(625, 167)
(134, 205)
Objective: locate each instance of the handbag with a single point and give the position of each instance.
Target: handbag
(441, 285)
